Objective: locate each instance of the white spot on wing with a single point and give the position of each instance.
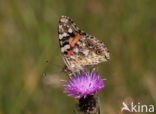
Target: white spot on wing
(63, 20)
(70, 30)
(89, 60)
(86, 52)
(76, 50)
(65, 48)
(62, 35)
(82, 39)
(60, 26)
(84, 44)
(72, 57)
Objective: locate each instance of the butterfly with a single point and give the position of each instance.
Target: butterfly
(79, 50)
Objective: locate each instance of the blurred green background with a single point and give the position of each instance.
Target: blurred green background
(31, 62)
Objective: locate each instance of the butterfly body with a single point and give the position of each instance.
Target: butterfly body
(79, 50)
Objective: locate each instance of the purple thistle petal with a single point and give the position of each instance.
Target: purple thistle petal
(84, 84)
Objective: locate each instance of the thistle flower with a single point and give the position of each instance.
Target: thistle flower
(84, 84)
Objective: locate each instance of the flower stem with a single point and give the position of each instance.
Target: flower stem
(98, 108)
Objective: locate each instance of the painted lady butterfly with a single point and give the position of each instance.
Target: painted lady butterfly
(78, 49)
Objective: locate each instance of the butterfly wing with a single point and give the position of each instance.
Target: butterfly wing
(66, 30)
(78, 48)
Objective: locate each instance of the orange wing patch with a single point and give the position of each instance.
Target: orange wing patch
(74, 40)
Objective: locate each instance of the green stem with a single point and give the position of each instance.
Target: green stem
(98, 105)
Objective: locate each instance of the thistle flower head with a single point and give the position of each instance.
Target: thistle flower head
(84, 84)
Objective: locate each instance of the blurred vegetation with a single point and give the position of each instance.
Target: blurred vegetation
(31, 62)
